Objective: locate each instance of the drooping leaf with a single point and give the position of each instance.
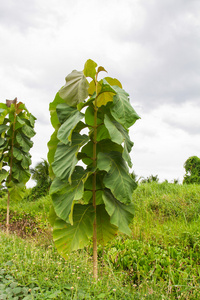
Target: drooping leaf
(121, 109)
(67, 237)
(117, 179)
(65, 158)
(105, 230)
(120, 214)
(22, 175)
(89, 117)
(114, 133)
(105, 145)
(3, 175)
(16, 191)
(69, 117)
(26, 161)
(52, 145)
(52, 108)
(28, 131)
(3, 128)
(24, 142)
(17, 153)
(90, 69)
(119, 134)
(76, 88)
(52, 216)
(64, 194)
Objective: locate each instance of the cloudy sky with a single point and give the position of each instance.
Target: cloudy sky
(151, 46)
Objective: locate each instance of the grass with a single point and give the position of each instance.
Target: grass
(161, 260)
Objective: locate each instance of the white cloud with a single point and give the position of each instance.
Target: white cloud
(152, 47)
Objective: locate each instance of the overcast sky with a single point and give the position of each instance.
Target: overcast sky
(151, 46)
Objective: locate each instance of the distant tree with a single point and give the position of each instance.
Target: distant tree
(40, 174)
(192, 169)
(151, 178)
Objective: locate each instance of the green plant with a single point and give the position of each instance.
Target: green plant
(16, 129)
(192, 168)
(94, 200)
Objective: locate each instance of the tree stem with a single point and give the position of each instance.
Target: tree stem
(10, 174)
(95, 263)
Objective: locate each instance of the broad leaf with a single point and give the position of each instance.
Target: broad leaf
(119, 134)
(76, 88)
(105, 230)
(52, 108)
(16, 191)
(3, 174)
(24, 142)
(121, 109)
(121, 214)
(69, 117)
(67, 237)
(117, 179)
(90, 69)
(20, 174)
(65, 158)
(113, 82)
(17, 153)
(3, 128)
(114, 133)
(106, 93)
(103, 146)
(64, 194)
(52, 145)
(89, 117)
(28, 131)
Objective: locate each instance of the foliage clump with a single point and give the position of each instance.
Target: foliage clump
(91, 119)
(192, 168)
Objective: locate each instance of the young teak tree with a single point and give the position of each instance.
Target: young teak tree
(89, 157)
(16, 131)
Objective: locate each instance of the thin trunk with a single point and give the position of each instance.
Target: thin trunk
(95, 263)
(8, 214)
(10, 174)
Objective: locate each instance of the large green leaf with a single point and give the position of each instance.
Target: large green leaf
(24, 142)
(3, 174)
(52, 145)
(121, 214)
(90, 69)
(119, 134)
(102, 146)
(17, 153)
(106, 93)
(65, 158)
(105, 230)
(20, 174)
(28, 131)
(117, 179)
(52, 108)
(76, 88)
(64, 194)
(16, 191)
(72, 237)
(115, 135)
(89, 117)
(3, 128)
(121, 109)
(69, 117)
(26, 161)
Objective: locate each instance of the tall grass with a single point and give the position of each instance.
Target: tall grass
(160, 260)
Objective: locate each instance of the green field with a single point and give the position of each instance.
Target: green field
(160, 260)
